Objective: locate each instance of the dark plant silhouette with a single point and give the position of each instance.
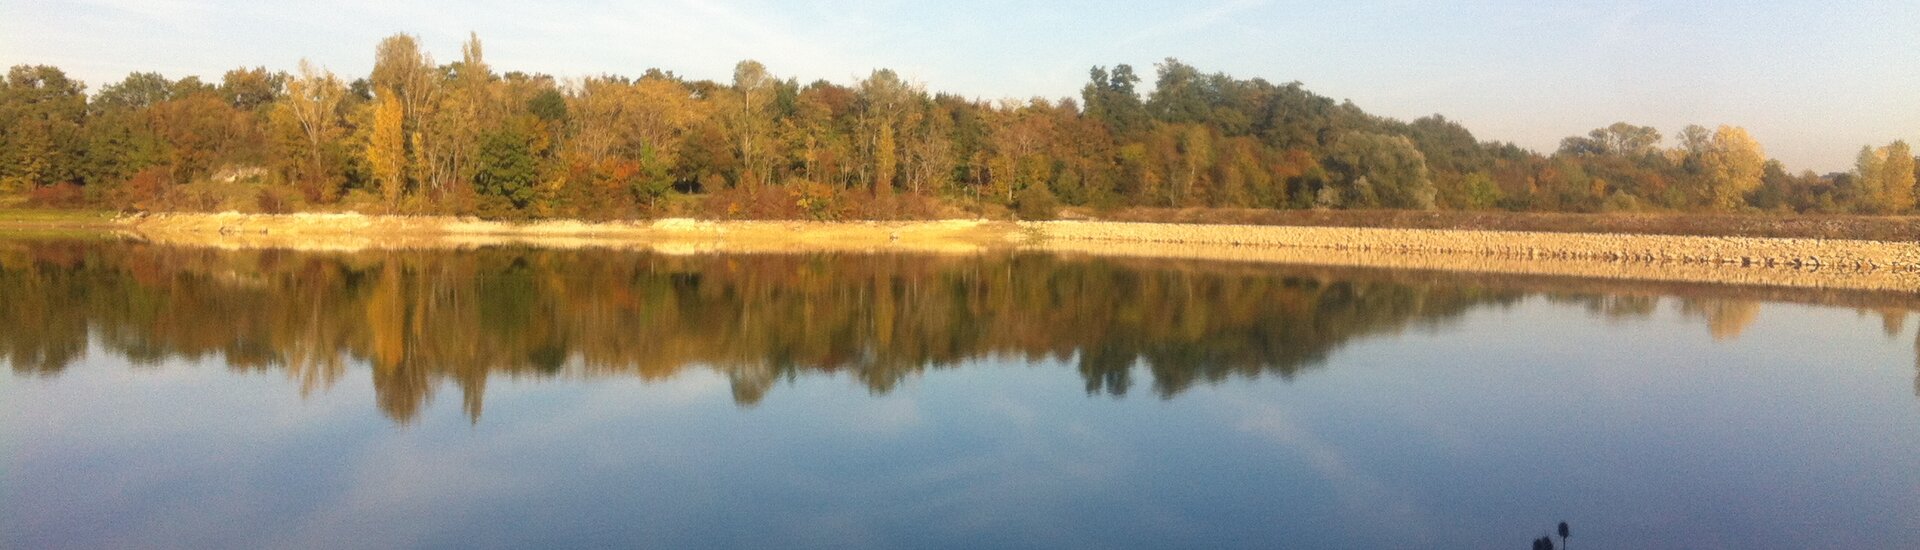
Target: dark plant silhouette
(1543, 543)
(1563, 535)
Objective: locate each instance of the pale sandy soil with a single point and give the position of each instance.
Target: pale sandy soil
(1803, 263)
(356, 232)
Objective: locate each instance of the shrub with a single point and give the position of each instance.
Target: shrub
(816, 200)
(274, 200)
(1036, 203)
(148, 188)
(59, 195)
(1621, 201)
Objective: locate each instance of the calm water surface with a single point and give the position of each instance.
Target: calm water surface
(171, 397)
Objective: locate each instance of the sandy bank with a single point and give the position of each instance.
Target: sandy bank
(1800, 263)
(360, 232)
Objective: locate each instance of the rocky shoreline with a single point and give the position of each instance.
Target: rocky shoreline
(1799, 263)
(1803, 254)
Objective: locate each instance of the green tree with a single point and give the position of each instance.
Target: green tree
(1384, 170)
(549, 105)
(1111, 99)
(138, 91)
(41, 139)
(1619, 139)
(506, 167)
(1178, 94)
(1482, 194)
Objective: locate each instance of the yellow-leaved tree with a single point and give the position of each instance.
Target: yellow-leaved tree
(1734, 164)
(1885, 178)
(387, 147)
(1899, 175)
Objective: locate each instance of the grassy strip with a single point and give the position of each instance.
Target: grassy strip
(50, 218)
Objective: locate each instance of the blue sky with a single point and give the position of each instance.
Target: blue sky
(1813, 80)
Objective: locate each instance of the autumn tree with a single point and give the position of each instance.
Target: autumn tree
(1017, 155)
(931, 154)
(1884, 178)
(1899, 172)
(201, 132)
(412, 132)
(386, 147)
(467, 106)
(1734, 164)
(754, 86)
(401, 70)
(1196, 159)
(313, 102)
(41, 113)
(252, 89)
(886, 102)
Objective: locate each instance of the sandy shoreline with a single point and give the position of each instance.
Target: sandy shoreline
(1799, 263)
(360, 232)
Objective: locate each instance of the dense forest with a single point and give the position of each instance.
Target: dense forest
(420, 137)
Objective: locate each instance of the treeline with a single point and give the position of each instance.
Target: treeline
(418, 136)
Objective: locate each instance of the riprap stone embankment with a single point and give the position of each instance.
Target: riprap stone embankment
(1820, 254)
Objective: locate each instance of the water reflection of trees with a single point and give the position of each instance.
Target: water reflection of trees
(421, 319)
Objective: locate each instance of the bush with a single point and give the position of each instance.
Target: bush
(816, 200)
(274, 200)
(795, 199)
(1035, 203)
(59, 195)
(148, 189)
(1621, 201)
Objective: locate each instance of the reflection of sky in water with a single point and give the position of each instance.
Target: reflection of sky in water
(1484, 431)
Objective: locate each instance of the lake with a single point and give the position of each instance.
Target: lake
(158, 396)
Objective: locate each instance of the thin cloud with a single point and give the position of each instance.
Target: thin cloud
(1361, 493)
(1194, 22)
(171, 12)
